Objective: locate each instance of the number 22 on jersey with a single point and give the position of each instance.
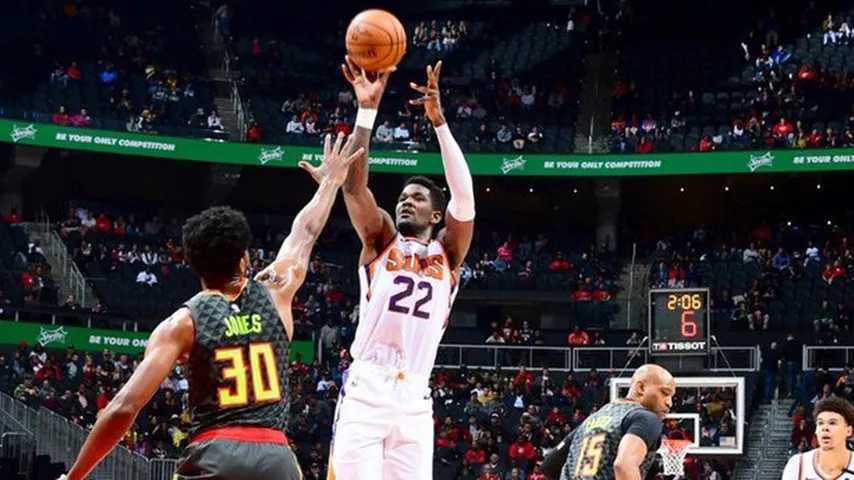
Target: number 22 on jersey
(590, 456)
(262, 375)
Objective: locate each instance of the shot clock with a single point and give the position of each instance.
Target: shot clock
(679, 321)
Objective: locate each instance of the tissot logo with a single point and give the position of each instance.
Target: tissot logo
(510, 164)
(758, 161)
(20, 133)
(268, 155)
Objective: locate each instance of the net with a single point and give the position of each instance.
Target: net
(673, 451)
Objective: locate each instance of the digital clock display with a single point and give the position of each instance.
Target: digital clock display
(679, 321)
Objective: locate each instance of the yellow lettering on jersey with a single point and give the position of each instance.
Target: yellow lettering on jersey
(432, 266)
(597, 422)
(242, 324)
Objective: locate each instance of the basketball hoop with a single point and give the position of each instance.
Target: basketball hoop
(673, 451)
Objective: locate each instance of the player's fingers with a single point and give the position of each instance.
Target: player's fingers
(311, 169)
(355, 70)
(437, 70)
(327, 142)
(358, 153)
(336, 150)
(419, 101)
(347, 73)
(383, 76)
(418, 88)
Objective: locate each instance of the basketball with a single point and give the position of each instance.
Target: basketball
(376, 40)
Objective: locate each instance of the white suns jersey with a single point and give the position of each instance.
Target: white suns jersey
(803, 467)
(405, 302)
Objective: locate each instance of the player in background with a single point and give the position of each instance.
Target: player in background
(834, 425)
(620, 440)
(408, 275)
(233, 337)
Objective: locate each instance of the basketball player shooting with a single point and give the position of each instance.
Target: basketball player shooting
(408, 276)
(233, 337)
(834, 425)
(620, 440)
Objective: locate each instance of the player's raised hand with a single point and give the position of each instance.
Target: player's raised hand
(335, 162)
(368, 86)
(431, 96)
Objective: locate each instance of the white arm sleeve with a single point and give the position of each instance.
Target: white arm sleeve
(792, 468)
(458, 176)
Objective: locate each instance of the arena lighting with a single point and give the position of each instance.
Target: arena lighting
(830, 222)
(726, 188)
(818, 186)
(487, 190)
(574, 190)
(789, 223)
(772, 188)
(682, 189)
(531, 190)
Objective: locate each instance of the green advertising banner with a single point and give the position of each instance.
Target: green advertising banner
(429, 163)
(61, 337)
(97, 340)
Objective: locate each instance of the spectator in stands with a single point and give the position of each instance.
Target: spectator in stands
(254, 134)
(145, 277)
(833, 272)
(61, 117)
(518, 139)
(495, 337)
(198, 119)
(385, 134)
(295, 127)
(214, 121)
(828, 28)
(771, 361)
(82, 119)
(503, 135)
(108, 75)
(74, 73)
(59, 77)
(578, 337)
(644, 146)
(535, 136)
(401, 133)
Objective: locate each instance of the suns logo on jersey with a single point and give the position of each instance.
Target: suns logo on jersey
(432, 266)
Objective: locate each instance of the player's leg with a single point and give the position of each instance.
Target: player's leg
(362, 424)
(408, 451)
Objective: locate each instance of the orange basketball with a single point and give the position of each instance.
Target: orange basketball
(376, 40)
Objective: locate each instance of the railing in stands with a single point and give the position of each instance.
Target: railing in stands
(834, 358)
(60, 439)
(54, 248)
(17, 443)
(508, 357)
(615, 359)
(577, 359)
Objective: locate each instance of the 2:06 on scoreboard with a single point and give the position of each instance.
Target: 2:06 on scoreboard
(679, 321)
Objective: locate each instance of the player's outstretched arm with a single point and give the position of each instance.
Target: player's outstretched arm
(287, 272)
(170, 341)
(457, 235)
(374, 225)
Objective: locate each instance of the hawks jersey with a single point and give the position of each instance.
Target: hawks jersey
(237, 369)
(406, 298)
(595, 442)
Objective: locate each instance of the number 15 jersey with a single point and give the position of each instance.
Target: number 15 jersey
(406, 298)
